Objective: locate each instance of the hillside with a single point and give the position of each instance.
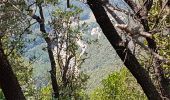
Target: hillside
(102, 58)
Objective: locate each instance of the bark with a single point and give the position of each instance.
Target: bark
(142, 14)
(53, 69)
(40, 20)
(123, 52)
(68, 3)
(8, 80)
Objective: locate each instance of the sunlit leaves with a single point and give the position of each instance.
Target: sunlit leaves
(118, 86)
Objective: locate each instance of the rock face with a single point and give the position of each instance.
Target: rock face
(102, 58)
(102, 61)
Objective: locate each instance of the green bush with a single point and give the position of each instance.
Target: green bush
(120, 85)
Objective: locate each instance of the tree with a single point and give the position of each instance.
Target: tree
(63, 42)
(8, 80)
(129, 59)
(70, 79)
(40, 19)
(142, 14)
(66, 39)
(69, 51)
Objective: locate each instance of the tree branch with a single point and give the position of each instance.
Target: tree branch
(40, 20)
(125, 54)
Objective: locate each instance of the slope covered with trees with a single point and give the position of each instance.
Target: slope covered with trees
(138, 32)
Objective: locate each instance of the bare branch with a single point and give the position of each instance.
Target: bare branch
(132, 32)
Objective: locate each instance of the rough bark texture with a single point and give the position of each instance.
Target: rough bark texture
(50, 53)
(8, 80)
(123, 52)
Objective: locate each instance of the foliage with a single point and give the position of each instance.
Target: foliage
(13, 43)
(69, 54)
(120, 85)
(159, 21)
(69, 30)
(163, 36)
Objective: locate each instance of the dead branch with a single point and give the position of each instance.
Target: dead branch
(124, 27)
(131, 32)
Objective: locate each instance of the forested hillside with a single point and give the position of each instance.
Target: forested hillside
(84, 49)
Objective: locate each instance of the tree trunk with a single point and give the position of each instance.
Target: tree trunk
(68, 3)
(53, 69)
(142, 14)
(123, 52)
(8, 80)
(40, 20)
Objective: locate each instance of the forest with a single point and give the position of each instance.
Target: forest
(84, 49)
